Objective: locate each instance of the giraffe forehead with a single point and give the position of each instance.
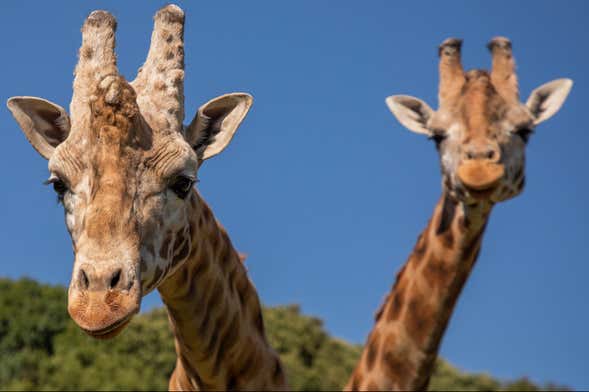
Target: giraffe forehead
(481, 112)
(98, 156)
(480, 106)
(106, 157)
(117, 136)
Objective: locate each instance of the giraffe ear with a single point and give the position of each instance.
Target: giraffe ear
(547, 99)
(216, 122)
(413, 113)
(44, 123)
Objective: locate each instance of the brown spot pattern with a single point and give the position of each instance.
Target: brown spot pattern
(226, 256)
(199, 269)
(420, 246)
(420, 317)
(156, 276)
(178, 240)
(380, 310)
(463, 223)
(228, 339)
(437, 273)
(395, 306)
(181, 255)
(395, 367)
(372, 350)
(397, 296)
(446, 218)
(356, 379)
(210, 349)
(165, 247)
(248, 364)
(475, 242)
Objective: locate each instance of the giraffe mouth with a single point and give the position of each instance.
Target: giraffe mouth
(480, 179)
(112, 330)
(99, 310)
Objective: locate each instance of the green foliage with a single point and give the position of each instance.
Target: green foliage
(30, 317)
(313, 360)
(41, 348)
(141, 358)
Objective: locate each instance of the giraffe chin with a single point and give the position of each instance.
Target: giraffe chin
(112, 331)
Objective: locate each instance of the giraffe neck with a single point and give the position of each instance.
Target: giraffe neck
(215, 315)
(402, 347)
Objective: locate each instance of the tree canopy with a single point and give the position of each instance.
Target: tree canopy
(41, 348)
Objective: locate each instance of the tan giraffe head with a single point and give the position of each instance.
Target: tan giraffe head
(123, 166)
(481, 128)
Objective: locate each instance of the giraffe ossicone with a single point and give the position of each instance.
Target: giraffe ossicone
(123, 166)
(480, 130)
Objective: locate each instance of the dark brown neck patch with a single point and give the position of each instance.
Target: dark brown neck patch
(401, 349)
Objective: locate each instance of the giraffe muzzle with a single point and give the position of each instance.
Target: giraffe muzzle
(480, 176)
(103, 299)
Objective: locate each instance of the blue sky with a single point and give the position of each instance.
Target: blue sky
(322, 187)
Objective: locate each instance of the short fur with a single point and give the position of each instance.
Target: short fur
(478, 132)
(125, 170)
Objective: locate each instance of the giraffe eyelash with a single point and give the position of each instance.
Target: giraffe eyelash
(524, 133)
(438, 137)
(182, 185)
(59, 186)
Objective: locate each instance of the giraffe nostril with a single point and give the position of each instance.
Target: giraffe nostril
(490, 154)
(469, 155)
(83, 280)
(116, 277)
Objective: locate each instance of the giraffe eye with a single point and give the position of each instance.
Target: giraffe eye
(524, 133)
(59, 186)
(438, 137)
(182, 186)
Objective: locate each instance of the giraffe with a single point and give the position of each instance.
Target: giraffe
(480, 131)
(123, 166)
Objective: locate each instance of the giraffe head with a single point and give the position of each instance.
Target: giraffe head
(123, 166)
(480, 128)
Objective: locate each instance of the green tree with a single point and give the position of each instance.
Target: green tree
(41, 348)
(313, 360)
(30, 316)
